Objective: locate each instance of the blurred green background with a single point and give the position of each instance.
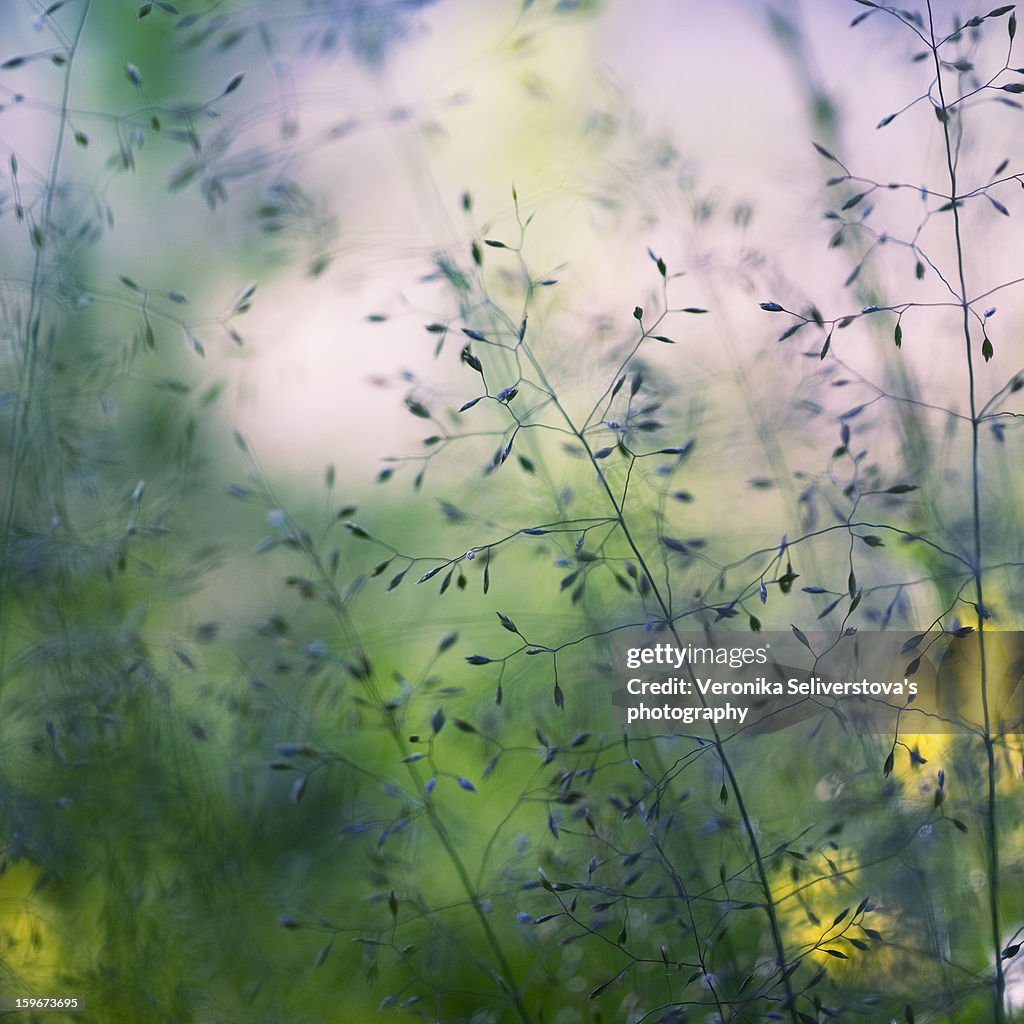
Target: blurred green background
(246, 772)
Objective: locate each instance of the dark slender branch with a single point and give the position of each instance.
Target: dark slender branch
(999, 988)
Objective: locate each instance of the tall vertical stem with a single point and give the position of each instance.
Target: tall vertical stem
(992, 834)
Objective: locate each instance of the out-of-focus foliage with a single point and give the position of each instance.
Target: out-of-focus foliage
(267, 752)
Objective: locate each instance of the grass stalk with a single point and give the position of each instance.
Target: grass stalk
(991, 821)
(663, 604)
(29, 368)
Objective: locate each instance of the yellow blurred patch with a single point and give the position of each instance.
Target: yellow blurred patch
(29, 947)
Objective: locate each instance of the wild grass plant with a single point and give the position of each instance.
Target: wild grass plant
(123, 873)
(391, 781)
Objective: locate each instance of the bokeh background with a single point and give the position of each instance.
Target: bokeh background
(246, 773)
